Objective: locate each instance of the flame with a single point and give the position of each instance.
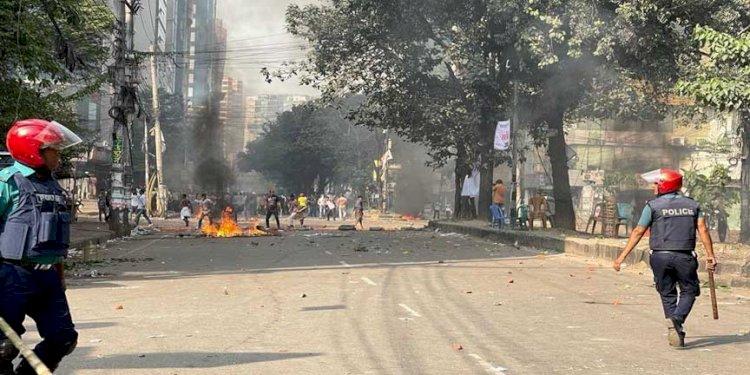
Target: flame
(228, 227)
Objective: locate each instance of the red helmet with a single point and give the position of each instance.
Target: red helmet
(666, 180)
(27, 138)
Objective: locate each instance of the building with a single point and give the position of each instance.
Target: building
(262, 109)
(232, 118)
(601, 153)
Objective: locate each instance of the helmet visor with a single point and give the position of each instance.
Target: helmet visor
(652, 177)
(56, 135)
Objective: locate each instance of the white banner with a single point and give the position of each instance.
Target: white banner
(471, 184)
(502, 135)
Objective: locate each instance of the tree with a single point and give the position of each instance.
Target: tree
(53, 53)
(722, 81)
(429, 70)
(439, 72)
(575, 52)
(313, 144)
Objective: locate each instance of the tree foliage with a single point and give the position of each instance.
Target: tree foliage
(440, 72)
(711, 190)
(721, 80)
(312, 144)
(53, 53)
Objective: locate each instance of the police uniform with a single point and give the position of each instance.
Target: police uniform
(34, 238)
(673, 219)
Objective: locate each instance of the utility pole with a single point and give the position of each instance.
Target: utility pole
(516, 193)
(118, 220)
(147, 172)
(161, 190)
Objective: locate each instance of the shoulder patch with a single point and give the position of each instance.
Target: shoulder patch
(6, 174)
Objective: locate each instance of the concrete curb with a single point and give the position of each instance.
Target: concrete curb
(92, 241)
(727, 274)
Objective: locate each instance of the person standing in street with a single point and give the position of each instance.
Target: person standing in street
(102, 205)
(341, 204)
(498, 204)
(272, 209)
(722, 226)
(205, 205)
(140, 208)
(330, 209)
(34, 241)
(359, 212)
(134, 203)
(292, 204)
(674, 220)
(302, 207)
(322, 206)
(186, 210)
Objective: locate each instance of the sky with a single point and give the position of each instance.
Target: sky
(256, 37)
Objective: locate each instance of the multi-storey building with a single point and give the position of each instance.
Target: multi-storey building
(262, 109)
(232, 118)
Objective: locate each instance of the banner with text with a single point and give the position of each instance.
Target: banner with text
(502, 135)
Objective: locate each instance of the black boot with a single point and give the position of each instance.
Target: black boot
(675, 333)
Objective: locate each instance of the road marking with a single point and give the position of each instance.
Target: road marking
(328, 252)
(410, 310)
(369, 281)
(489, 367)
(344, 264)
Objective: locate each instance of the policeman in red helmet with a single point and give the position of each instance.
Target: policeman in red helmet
(674, 220)
(34, 240)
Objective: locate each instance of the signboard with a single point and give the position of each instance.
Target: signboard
(502, 135)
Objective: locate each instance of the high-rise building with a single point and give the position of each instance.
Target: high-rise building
(262, 109)
(208, 37)
(232, 118)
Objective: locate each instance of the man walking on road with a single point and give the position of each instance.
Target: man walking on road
(34, 241)
(205, 206)
(359, 212)
(674, 220)
(272, 209)
(341, 204)
(140, 208)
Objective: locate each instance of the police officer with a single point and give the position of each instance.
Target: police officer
(674, 220)
(34, 239)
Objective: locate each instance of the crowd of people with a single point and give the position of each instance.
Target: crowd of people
(275, 207)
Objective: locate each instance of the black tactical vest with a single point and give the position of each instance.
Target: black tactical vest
(40, 224)
(674, 220)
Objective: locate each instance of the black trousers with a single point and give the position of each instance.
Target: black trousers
(275, 214)
(672, 269)
(41, 296)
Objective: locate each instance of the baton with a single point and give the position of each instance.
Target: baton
(712, 286)
(27, 353)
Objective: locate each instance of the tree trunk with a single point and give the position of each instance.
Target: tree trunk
(745, 181)
(564, 215)
(458, 182)
(486, 173)
(459, 174)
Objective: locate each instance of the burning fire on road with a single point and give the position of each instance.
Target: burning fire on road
(228, 227)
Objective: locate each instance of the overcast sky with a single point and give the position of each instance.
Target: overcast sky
(256, 38)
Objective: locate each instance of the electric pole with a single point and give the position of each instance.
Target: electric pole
(161, 190)
(147, 172)
(515, 172)
(121, 110)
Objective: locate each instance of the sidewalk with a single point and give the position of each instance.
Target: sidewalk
(88, 231)
(734, 259)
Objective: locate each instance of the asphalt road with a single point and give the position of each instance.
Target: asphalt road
(382, 303)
